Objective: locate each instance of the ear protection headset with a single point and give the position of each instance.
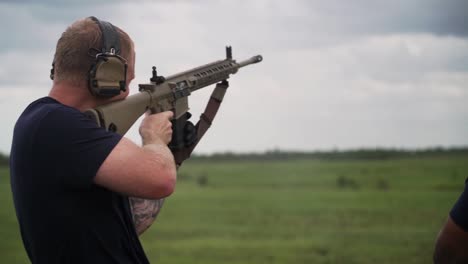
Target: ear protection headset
(108, 74)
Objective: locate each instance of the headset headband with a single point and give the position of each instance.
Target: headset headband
(110, 37)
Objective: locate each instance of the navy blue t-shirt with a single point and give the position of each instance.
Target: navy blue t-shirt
(459, 212)
(63, 216)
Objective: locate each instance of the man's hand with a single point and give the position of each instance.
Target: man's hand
(157, 128)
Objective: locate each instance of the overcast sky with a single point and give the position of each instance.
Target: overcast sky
(336, 74)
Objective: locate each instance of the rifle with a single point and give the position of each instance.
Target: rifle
(171, 94)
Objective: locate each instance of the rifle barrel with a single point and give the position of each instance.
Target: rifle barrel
(254, 59)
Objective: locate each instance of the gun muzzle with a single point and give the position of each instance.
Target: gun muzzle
(254, 59)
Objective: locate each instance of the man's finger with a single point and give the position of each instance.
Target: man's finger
(168, 114)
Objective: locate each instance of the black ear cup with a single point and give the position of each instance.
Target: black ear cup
(52, 71)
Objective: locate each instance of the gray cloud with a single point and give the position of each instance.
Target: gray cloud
(400, 16)
(282, 23)
(336, 73)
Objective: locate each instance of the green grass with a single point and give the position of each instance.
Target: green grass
(11, 247)
(302, 211)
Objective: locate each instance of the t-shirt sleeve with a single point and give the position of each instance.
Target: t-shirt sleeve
(72, 148)
(459, 212)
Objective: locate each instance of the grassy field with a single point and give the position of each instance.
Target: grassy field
(297, 211)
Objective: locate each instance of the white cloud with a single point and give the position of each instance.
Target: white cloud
(12, 103)
(20, 67)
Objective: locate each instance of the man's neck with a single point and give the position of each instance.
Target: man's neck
(76, 96)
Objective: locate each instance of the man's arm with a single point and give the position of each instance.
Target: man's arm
(144, 212)
(451, 245)
(147, 172)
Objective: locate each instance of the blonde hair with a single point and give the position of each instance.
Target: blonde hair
(77, 47)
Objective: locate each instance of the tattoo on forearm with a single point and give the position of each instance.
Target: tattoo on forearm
(144, 212)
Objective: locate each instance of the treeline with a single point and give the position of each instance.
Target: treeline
(358, 154)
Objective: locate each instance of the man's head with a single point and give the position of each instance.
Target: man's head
(77, 48)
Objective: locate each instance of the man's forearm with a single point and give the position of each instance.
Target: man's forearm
(144, 212)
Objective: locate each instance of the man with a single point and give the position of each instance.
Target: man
(452, 243)
(83, 194)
